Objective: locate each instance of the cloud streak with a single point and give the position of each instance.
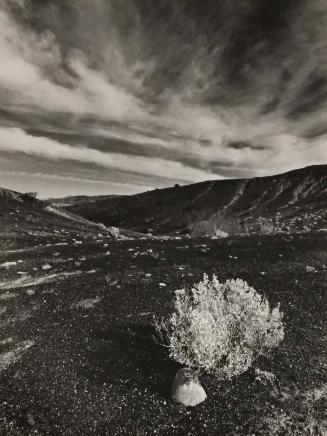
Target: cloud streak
(52, 185)
(14, 140)
(179, 84)
(25, 78)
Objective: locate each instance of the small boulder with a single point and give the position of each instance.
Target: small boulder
(187, 389)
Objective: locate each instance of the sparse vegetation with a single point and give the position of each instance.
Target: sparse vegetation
(221, 233)
(98, 366)
(29, 196)
(114, 231)
(221, 328)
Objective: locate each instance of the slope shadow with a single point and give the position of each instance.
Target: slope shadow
(130, 353)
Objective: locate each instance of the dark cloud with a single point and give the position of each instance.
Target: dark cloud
(310, 98)
(319, 130)
(239, 145)
(230, 42)
(206, 88)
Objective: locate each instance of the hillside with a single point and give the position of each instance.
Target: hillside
(294, 201)
(24, 217)
(78, 199)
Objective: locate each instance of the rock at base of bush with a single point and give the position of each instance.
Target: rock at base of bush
(187, 389)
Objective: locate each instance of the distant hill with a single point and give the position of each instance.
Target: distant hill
(22, 212)
(78, 199)
(293, 201)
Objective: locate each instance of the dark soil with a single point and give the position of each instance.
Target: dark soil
(78, 355)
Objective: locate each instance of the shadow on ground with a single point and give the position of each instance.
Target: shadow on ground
(132, 353)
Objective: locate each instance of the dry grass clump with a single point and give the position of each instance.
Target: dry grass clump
(221, 328)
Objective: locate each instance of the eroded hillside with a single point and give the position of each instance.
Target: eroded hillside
(293, 202)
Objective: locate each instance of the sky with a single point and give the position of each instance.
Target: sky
(123, 96)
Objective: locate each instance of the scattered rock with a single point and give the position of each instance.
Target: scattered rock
(8, 264)
(30, 419)
(187, 389)
(88, 303)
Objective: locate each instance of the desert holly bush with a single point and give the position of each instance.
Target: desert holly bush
(114, 232)
(221, 328)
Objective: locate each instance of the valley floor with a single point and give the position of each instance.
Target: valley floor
(77, 353)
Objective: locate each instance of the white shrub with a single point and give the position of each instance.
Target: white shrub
(220, 233)
(221, 328)
(114, 231)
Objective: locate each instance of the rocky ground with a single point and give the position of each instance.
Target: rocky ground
(77, 348)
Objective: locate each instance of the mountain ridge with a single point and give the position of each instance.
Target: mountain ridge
(292, 201)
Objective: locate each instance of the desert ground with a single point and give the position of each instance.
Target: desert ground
(79, 354)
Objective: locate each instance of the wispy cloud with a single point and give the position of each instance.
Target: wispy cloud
(178, 83)
(32, 74)
(54, 185)
(14, 140)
